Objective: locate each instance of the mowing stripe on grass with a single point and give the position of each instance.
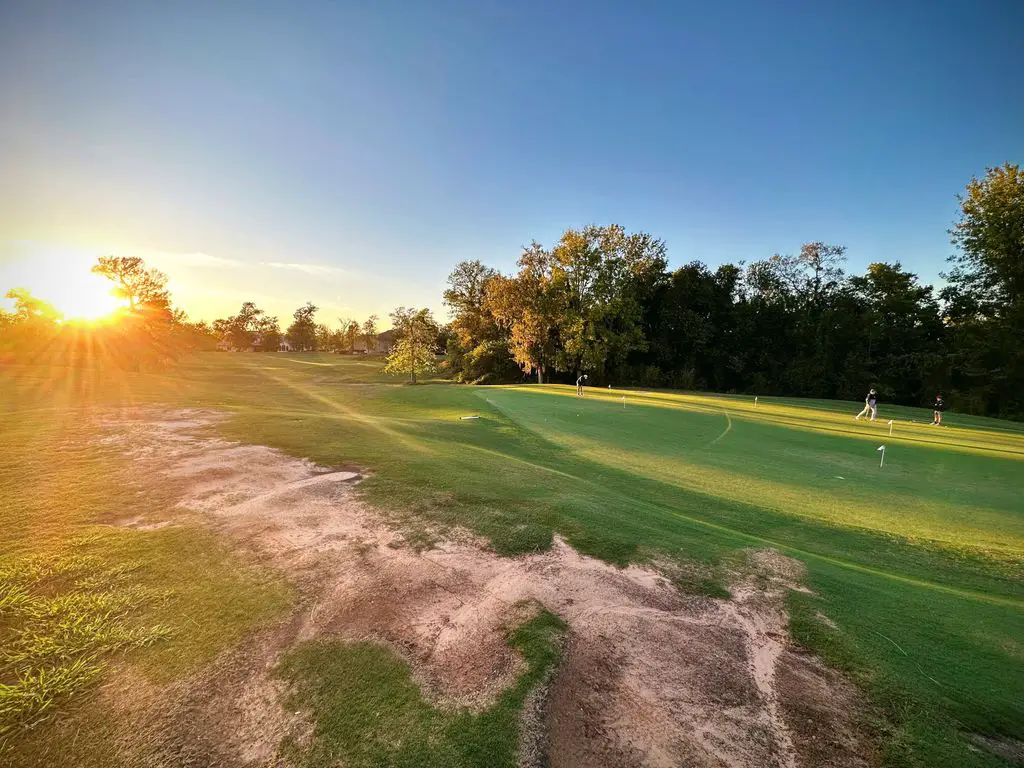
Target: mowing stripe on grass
(962, 593)
(351, 413)
(510, 457)
(794, 417)
(921, 583)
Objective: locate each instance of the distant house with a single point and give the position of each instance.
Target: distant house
(382, 344)
(224, 346)
(283, 346)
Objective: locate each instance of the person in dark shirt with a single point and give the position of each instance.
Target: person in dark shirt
(937, 410)
(870, 406)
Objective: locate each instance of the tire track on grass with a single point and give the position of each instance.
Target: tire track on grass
(728, 429)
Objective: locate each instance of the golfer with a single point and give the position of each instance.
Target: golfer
(870, 406)
(579, 385)
(937, 410)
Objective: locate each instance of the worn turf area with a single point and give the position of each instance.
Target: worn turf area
(916, 567)
(369, 712)
(79, 596)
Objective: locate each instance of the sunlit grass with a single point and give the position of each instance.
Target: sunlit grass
(806, 476)
(926, 552)
(79, 598)
(911, 425)
(62, 617)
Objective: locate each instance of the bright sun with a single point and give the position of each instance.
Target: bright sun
(84, 296)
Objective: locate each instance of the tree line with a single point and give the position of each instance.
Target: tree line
(149, 333)
(417, 337)
(602, 301)
(254, 329)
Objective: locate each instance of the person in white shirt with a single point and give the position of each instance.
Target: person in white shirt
(870, 406)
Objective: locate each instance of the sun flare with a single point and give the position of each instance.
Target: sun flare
(84, 296)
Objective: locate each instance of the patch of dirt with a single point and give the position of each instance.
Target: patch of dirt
(650, 677)
(817, 703)
(234, 715)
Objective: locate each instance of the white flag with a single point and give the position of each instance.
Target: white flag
(881, 448)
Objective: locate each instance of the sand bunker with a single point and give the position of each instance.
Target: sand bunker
(651, 677)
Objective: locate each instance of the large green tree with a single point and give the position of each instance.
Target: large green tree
(693, 339)
(476, 345)
(985, 295)
(899, 347)
(240, 330)
(602, 276)
(302, 333)
(325, 341)
(148, 335)
(268, 331)
(527, 306)
(415, 350)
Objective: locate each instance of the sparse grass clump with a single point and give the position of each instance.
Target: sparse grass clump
(80, 598)
(61, 617)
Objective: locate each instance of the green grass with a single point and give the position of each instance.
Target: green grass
(368, 711)
(64, 613)
(78, 596)
(919, 564)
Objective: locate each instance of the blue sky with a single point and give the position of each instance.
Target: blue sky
(352, 153)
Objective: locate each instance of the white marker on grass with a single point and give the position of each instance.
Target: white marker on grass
(623, 401)
(890, 427)
(755, 401)
(882, 462)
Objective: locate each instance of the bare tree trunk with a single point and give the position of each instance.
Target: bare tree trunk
(540, 374)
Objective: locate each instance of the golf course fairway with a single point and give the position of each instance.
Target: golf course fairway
(914, 570)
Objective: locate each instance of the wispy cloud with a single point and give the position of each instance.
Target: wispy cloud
(205, 260)
(197, 259)
(309, 269)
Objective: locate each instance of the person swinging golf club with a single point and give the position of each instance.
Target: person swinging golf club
(579, 385)
(870, 406)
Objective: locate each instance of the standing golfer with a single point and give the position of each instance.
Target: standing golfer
(579, 385)
(937, 409)
(870, 406)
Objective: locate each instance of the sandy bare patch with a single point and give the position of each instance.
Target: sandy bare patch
(651, 677)
(817, 704)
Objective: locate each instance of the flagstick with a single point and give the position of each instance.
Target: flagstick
(890, 427)
(623, 401)
(755, 401)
